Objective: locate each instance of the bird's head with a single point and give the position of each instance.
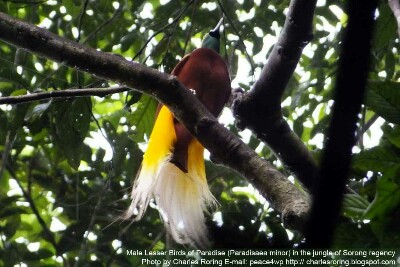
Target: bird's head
(211, 40)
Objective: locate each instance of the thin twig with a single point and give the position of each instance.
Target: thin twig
(174, 29)
(157, 238)
(85, 4)
(249, 58)
(365, 128)
(101, 92)
(189, 32)
(101, 26)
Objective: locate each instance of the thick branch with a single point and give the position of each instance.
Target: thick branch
(101, 92)
(395, 7)
(349, 92)
(265, 96)
(232, 152)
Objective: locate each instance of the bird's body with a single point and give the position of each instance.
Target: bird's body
(205, 72)
(173, 169)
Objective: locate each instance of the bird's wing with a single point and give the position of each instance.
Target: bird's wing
(180, 65)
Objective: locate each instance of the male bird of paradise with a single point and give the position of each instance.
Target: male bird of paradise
(173, 170)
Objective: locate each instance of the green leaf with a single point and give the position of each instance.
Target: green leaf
(10, 211)
(71, 125)
(38, 255)
(4, 181)
(130, 40)
(12, 226)
(143, 117)
(385, 28)
(351, 235)
(19, 92)
(71, 238)
(37, 112)
(11, 75)
(387, 198)
(384, 99)
(128, 151)
(390, 64)
(3, 128)
(298, 127)
(394, 136)
(134, 98)
(280, 237)
(16, 120)
(390, 224)
(378, 159)
(247, 5)
(354, 205)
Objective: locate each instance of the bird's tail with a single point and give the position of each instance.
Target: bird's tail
(182, 198)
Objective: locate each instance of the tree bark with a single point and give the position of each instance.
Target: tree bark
(340, 137)
(100, 92)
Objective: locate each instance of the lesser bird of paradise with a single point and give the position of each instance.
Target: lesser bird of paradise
(173, 171)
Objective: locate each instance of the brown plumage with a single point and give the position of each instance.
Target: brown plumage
(205, 72)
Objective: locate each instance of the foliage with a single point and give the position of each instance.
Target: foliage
(66, 165)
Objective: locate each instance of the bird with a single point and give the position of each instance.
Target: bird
(173, 169)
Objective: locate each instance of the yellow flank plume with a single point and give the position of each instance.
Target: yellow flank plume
(196, 160)
(159, 150)
(162, 139)
(182, 198)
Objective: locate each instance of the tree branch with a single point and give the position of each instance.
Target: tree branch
(395, 7)
(283, 195)
(101, 92)
(340, 138)
(365, 127)
(265, 97)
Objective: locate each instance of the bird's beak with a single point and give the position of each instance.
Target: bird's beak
(216, 29)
